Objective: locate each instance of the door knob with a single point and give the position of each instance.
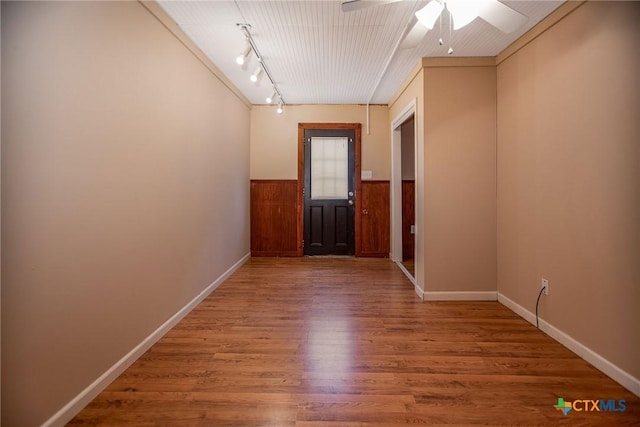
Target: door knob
(351, 202)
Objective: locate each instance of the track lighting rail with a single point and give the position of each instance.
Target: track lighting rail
(246, 30)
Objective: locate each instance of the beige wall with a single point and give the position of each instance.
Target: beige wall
(412, 92)
(569, 178)
(460, 178)
(125, 168)
(456, 183)
(274, 138)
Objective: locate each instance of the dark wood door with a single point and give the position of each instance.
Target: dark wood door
(329, 192)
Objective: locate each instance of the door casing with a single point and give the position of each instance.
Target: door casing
(357, 128)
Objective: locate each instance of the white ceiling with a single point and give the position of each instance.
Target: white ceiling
(318, 54)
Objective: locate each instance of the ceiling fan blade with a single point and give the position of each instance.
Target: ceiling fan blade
(351, 5)
(501, 16)
(414, 36)
(429, 14)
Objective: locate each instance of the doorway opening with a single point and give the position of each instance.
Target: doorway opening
(328, 189)
(407, 202)
(408, 173)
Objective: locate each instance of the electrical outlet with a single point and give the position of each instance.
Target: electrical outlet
(545, 284)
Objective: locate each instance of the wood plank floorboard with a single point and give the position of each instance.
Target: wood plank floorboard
(332, 342)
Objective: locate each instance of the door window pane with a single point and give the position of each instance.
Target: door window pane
(329, 167)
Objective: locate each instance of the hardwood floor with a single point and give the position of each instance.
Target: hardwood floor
(346, 342)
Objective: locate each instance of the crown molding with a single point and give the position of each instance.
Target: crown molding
(554, 17)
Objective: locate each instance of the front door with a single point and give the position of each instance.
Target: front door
(329, 192)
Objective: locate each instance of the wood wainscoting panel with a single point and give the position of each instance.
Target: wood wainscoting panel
(375, 219)
(408, 218)
(274, 218)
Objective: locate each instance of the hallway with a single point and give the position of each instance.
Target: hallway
(346, 341)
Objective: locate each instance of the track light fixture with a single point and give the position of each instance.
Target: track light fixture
(256, 74)
(242, 58)
(269, 99)
(262, 66)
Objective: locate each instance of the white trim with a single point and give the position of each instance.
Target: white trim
(461, 296)
(622, 377)
(518, 309)
(406, 272)
(68, 411)
(416, 288)
(408, 111)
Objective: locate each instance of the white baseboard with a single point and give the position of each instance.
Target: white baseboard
(622, 377)
(406, 272)
(461, 296)
(412, 279)
(72, 408)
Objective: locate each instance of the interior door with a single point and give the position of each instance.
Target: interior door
(329, 192)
